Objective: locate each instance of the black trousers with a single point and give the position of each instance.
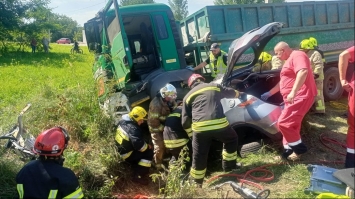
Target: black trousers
(141, 161)
(201, 143)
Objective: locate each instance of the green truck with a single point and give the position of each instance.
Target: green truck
(140, 48)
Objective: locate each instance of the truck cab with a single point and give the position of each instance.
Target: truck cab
(138, 50)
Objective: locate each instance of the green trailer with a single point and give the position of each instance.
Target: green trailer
(330, 22)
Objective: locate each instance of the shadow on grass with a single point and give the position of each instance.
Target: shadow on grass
(35, 59)
(8, 174)
(331, 125)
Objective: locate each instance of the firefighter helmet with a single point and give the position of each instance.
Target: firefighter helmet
(313, 42)
(193, 78)
(168, 91)
(264, 57)
(306, 45)
(137, 113)
(51, 142)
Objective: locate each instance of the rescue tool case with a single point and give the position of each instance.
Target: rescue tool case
(323, 181)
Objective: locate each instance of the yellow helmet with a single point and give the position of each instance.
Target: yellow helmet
(137, 113)
(313, 41)
(306, 45)
(264, 57)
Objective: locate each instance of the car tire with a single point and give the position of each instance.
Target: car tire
(332, 89)
(252, 147)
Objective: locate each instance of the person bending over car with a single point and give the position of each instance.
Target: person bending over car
(202, 112)
(46, 177)
(298, 89)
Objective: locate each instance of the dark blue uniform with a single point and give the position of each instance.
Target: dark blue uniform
(47, 179)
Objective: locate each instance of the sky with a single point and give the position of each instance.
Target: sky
(83, 10)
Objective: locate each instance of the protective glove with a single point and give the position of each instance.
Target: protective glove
(190, 68)
(265, 96)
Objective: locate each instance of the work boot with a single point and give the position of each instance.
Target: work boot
(286, 153)
(350, 160)
(140, 179)
(299, 149)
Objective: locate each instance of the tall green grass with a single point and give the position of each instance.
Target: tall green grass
(62, 91)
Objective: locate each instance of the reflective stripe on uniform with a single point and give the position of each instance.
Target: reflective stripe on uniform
(156, 130)
(229, 156)
(209, 125)
(154, 115)
(53, 194)
(162, 118)
(20, 190)
(295, 143)
(189, 132)
(126, 155)
(144, 147)
(197, 174)
(76, 194)
(145, 163)
(320, 106)
(175, 115)
(175, 143)
(121, 135)
(210, 88)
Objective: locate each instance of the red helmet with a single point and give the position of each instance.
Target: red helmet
(193, 78)
(51, 142)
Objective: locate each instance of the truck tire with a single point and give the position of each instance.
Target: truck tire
(332, 89)
(252, 147)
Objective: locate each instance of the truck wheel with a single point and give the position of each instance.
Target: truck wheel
(252, 147)
(332, 89)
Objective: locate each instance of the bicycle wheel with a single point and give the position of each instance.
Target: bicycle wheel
(72, 51)
(81, 51)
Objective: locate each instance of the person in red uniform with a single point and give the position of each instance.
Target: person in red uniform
(298, 89)
(346, 57)
(46, 177)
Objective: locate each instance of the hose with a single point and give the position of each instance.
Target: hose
(324, 139)
(268, 175)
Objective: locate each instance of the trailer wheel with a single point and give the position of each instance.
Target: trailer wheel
(332, 89)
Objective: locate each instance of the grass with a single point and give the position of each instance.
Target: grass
(62, 91)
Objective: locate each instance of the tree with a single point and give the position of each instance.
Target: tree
(230, 2)
(133, 2)
(179, 8)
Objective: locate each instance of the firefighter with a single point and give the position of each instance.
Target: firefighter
(176, 137)
(346, 57)
(298, 89)
(268, 62)
(314, 43)
(317, 67)
(217, 60)
(159, 108)
(131, 145)
(46, 177)
(202, 112)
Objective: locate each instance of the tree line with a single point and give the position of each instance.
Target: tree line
(23, 20)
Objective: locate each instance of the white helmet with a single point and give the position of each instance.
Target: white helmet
(168, 91)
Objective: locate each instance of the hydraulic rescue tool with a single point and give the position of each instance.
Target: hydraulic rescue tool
(245, 192)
